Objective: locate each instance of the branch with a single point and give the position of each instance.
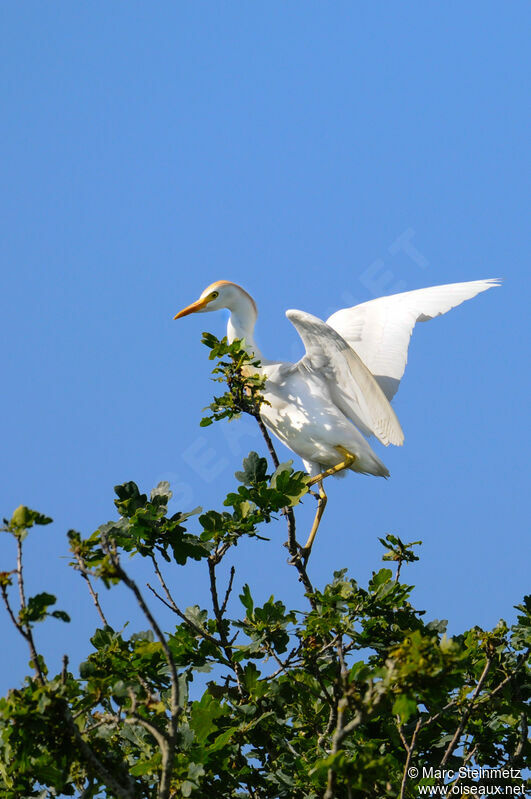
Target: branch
(229, 589)
(410, 748)
(292, 546)
(172, 605)
(267, 437)
(175, 709)
(107, 718)
(86, 750)
(64, 670)
(134, 718)
(84, 573)
(336, 743)
(522, 740)
(225, 644)
(466, 715)
(520, 662)
(24, 629)
(90, 757)
(469, 755)
(332, 719)
(20, 576)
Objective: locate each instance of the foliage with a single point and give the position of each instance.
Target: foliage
(239, 371)
(345, 697)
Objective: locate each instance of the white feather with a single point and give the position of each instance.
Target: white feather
(379, 330)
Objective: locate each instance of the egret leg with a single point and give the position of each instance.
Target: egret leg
(322, 498)
(321, 505)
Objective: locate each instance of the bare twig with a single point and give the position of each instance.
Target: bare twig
(469, 755)
(20, 576)
(64, 670)
(225, 644)
(172, 605)
(24, 629)
(106, 718)
(229, 589)
(410, 748)
(12, 616)
(267, 438)
(398, 569)
(82, 569)
(479, 700)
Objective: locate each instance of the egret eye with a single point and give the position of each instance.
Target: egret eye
(214, 294)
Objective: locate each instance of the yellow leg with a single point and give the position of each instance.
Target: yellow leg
(322, 498)
(321, 505)
(349, 460)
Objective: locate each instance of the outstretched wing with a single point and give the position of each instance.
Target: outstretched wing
(350, 384)
(379, 330)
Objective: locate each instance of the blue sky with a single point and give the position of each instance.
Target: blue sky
(150, 149)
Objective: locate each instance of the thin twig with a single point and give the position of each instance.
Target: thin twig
(172, 605)
(410, 748)
(267, 437)
(229, 589)
(20, 576)
(236, 667)
(64, 670)
(107, 718)
(469, 755)
(24, 629)
(195, 627)
(82, 569)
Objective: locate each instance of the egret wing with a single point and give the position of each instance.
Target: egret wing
(350, 384)
(379, 330)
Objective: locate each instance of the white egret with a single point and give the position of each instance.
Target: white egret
(340, 391)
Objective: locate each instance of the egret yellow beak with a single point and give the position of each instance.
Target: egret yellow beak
(195, 306)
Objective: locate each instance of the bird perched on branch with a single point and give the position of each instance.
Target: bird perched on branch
(339, 392)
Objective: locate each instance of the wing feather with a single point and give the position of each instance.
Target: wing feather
(379, 330)
(350, 384)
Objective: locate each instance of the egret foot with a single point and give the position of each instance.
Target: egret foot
(349, 457)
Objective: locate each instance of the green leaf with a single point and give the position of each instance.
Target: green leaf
(23, 518)
(37, 607)
(404, 706)
(60, 614)
(203, 716)
(247, 600)
(254, 470)
(129, 498)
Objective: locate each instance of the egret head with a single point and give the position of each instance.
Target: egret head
(222, 294)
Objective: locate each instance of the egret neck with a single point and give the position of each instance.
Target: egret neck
(242, 319)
